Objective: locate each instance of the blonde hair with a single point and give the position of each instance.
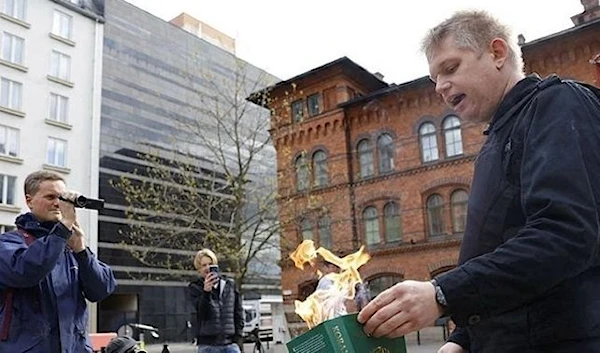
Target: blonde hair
(205, 253)
(473, 30)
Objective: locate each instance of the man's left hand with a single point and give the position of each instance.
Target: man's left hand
(77, 240)
(406, 307)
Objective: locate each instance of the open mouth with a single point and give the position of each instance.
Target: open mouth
(456, 100)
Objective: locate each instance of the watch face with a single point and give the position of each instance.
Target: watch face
(439, 296)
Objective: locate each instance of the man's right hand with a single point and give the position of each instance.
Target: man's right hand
(451, 347)
(210, 280)
(67, 209)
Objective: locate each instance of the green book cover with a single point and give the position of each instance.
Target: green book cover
(343, 335)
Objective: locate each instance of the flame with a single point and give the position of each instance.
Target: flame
(327, 303)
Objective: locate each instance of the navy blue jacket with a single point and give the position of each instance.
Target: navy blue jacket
(529, 275)
(51, 287)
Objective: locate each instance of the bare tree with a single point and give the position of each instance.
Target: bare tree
(213, 185)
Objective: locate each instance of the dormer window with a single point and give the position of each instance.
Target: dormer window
(314, 104)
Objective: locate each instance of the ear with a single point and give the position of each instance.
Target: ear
(28, 200)
(499, 50)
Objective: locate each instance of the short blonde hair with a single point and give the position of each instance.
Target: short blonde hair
(205, 253)
(473, 30)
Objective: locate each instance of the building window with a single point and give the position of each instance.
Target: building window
(306, 230)
(371, 226)
(314, 104)
(365, 158)
(385, 149)
(7, 189)
(15, 8)
(62, 25)
(435, 217)
(302, 173)
(458, 202)
(59, 108)
(12, 48)
(9, 141)
(393, 225)
(297, 111)
(60, 65)
(57, 152)
(10, 94)
(452, 136)
(4, 228)
(320, 169)
(379, 284)
(325, 232)
(429, 149)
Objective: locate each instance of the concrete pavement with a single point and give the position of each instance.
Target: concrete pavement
(431, 340)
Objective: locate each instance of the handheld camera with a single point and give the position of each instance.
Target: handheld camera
(85, 202)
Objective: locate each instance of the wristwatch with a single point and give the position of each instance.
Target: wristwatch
(440, 298)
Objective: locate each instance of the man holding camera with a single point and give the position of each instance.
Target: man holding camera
(219, 312)
(47, 273)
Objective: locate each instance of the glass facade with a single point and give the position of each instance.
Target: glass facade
(156, 79)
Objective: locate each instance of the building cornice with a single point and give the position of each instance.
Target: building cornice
(81, 10)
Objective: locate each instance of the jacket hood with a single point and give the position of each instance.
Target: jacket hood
(31, 225)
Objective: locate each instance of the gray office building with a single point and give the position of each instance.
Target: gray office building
(153, 75)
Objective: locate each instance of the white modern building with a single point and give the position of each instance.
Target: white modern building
(50, 92)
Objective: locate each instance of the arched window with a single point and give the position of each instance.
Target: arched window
(306, 230)
(365, 158)
(302, 173)
(435, 217)
(385, 149)
(429, 149)
(371, 226)
(379, 284)
(325, 232)
(320, 168)
(452, 136)
(393, 225)
(458, 203)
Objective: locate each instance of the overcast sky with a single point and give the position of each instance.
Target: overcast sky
(287, 38)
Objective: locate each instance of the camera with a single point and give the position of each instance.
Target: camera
(85, 202)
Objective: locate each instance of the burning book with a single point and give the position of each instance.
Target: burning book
(331, 328)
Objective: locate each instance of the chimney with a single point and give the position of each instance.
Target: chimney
(591, 11)
(379, 75)
(589, 4)
(521, 39)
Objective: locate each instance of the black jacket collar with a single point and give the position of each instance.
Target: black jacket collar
(512, 99)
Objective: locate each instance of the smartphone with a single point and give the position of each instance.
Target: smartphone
(213, 268)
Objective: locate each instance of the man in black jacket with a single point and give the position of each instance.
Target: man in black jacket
(528, 278)
(219, 312)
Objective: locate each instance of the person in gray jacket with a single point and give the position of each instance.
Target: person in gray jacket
(219, 311)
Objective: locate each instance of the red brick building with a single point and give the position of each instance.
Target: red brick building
(362, 162)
